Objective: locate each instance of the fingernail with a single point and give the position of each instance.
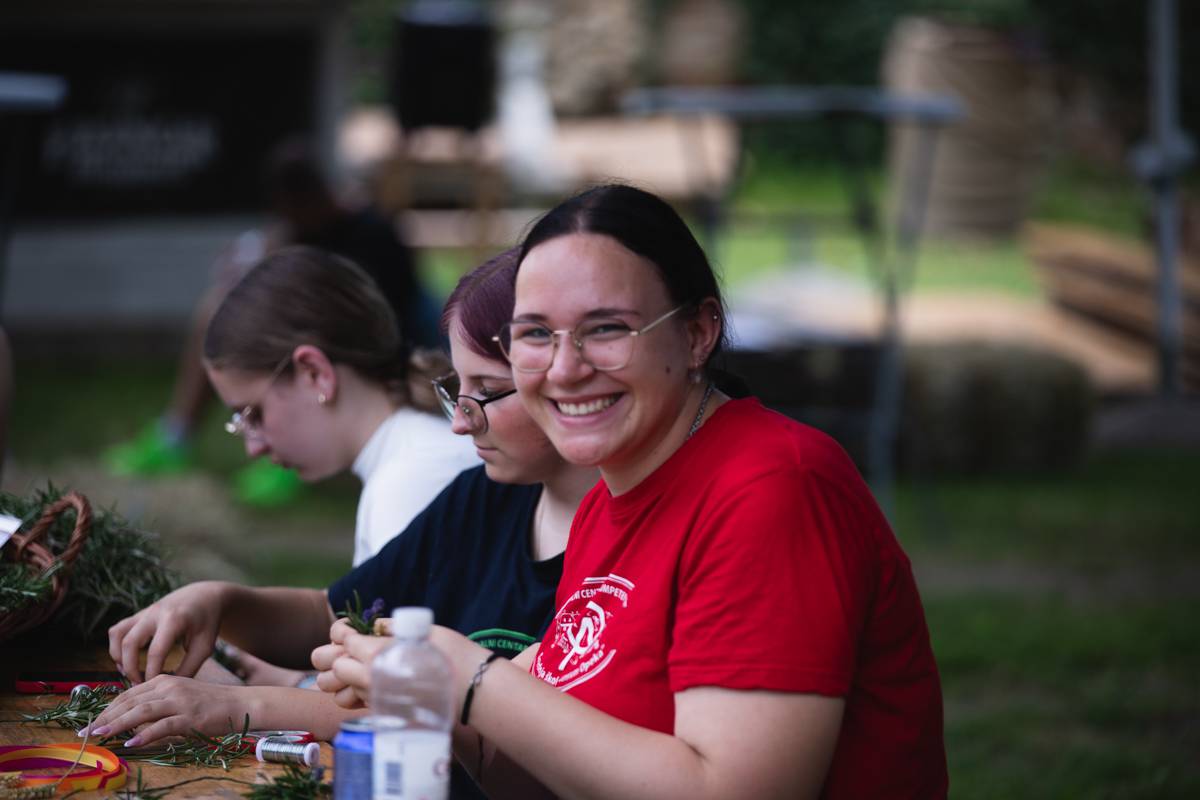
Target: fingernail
(101, 731)
(133, 741)
(82, 732)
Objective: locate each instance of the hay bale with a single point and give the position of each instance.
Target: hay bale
(983, 407)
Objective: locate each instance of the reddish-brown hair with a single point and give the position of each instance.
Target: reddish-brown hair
(482, 302)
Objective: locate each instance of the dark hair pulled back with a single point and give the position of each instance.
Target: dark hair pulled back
(304, 295)
(642, 223)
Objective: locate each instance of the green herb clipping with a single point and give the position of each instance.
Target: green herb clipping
(362, 621)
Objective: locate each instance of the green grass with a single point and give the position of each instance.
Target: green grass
(1107, 199)
(1049, 699)
(1142, 503)
(1062, 611)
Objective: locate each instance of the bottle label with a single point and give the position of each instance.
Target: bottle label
(411, 765)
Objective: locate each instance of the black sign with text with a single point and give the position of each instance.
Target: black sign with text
(163, 124)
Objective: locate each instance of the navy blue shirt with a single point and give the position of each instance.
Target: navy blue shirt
(466, 556)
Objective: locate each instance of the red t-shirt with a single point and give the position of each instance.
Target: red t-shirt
(754, 558)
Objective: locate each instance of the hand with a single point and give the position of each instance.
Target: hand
(323, 659)
(172, 706)
(190, 615)
(324, 656)
(351, 671)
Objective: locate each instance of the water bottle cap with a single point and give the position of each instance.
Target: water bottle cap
(411, 622)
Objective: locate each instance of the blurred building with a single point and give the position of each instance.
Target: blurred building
(127, 194)
(172, 103)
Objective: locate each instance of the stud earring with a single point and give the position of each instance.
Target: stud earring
(322, 398)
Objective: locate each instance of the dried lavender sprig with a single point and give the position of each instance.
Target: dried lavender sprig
(362, 621)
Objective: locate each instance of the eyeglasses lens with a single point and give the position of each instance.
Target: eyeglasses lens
(605, 344)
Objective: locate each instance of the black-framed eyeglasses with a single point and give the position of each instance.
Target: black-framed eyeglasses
(446, 388)
(605, 344)
(247, 423)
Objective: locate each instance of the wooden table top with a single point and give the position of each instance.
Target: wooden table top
(40, 658)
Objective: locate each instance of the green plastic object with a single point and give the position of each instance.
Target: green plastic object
(150, 453)
(266, 485)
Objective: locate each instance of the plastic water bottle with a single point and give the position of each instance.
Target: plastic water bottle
(412, 706)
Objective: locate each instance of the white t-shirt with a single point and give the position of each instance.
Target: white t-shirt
(404, 465)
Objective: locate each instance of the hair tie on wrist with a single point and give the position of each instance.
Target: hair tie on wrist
(475, 681)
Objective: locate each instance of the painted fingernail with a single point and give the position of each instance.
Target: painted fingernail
(101, 731)
(133, 741)
(82, 732)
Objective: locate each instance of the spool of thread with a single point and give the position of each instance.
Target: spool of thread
(283, 751)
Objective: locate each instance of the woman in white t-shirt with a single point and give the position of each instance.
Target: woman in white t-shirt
(306, 352)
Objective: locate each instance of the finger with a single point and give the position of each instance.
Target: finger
(328, 682)
(348, 698)
(131, 648)
(339, 630)
(164, 639)
(352, 672)
(195, 650)
(148, 711)
(365, 648)
(116, 635)
(169, 726)
(119, 705)
(324, 656)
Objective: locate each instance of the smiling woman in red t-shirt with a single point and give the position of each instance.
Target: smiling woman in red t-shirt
(735, 617)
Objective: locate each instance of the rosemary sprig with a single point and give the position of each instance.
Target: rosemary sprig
(296, 783)
(362, 621)
(141, 791)
(83, 706)
(196, 750)
(199, 750)
(19, 587)
(120, 571)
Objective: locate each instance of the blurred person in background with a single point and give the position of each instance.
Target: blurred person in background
(307, 211)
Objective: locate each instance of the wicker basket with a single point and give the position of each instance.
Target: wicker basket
(24, 548)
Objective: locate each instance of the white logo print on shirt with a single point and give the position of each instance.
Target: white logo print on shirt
(579, 652)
